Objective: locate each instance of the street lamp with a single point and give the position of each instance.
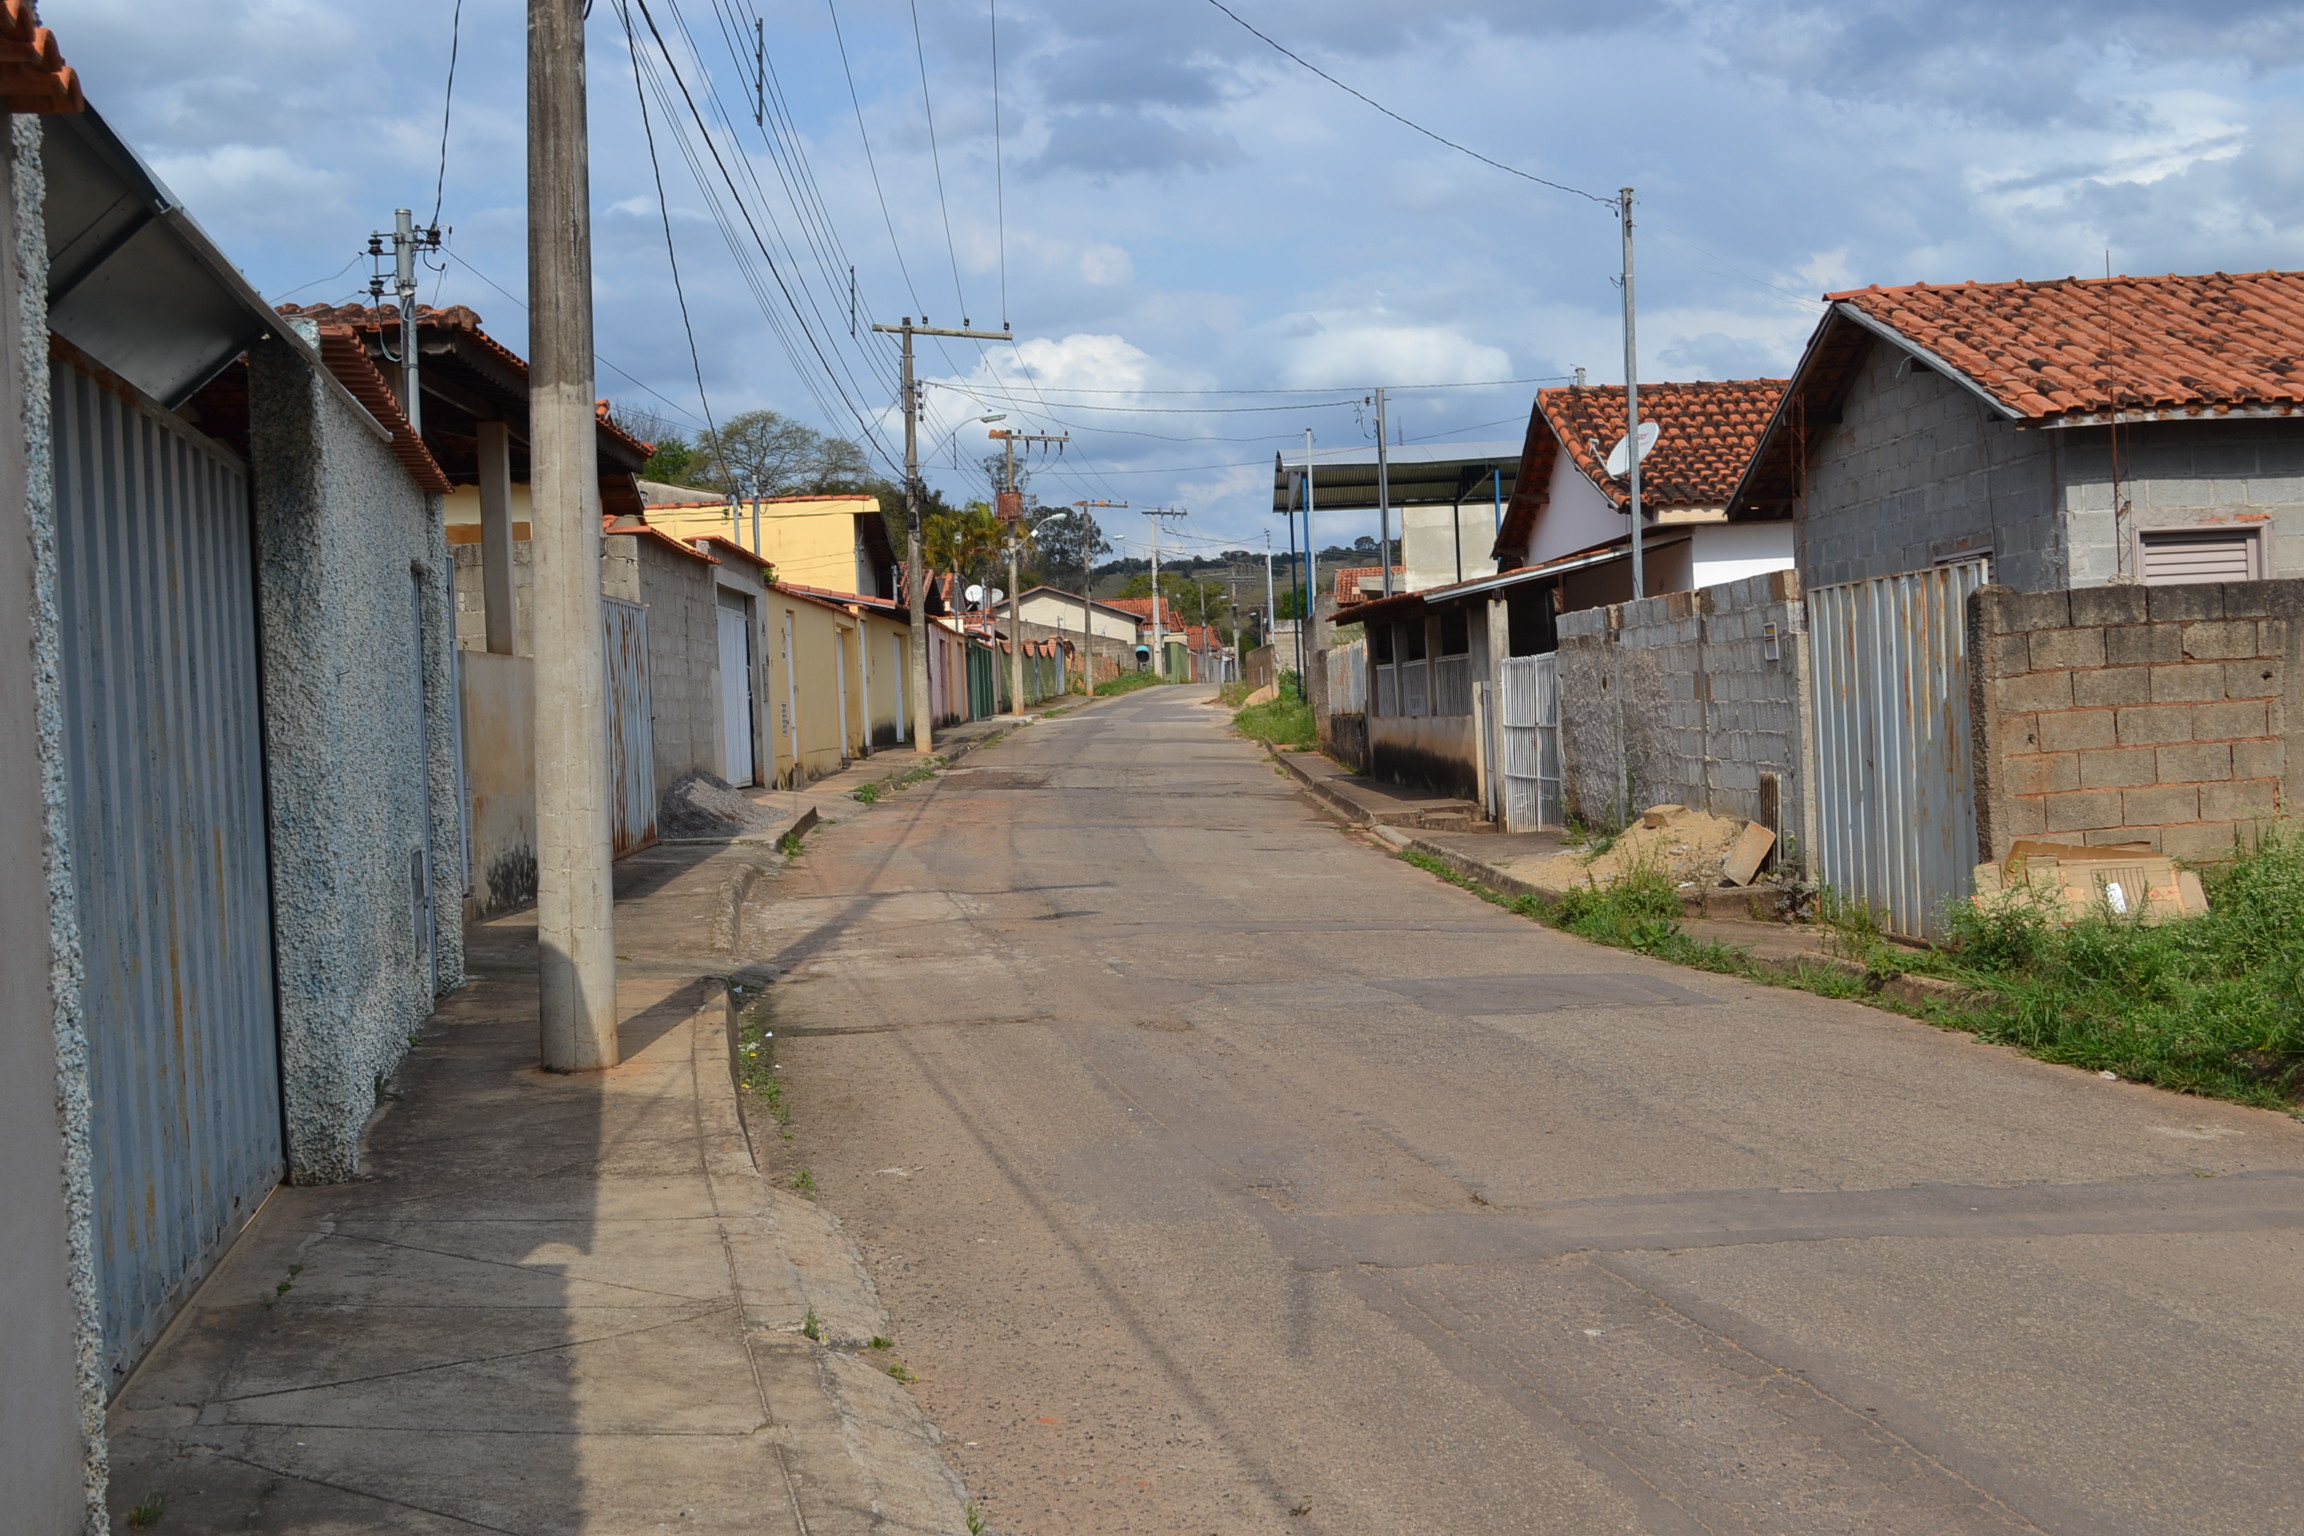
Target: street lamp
(955, 432)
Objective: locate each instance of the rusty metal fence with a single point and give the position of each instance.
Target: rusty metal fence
(1895, 781)
(164, 779)
(631, 730)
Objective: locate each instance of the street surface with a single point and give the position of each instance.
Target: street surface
(1224, 1174)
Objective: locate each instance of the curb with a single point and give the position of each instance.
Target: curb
(1343, 807)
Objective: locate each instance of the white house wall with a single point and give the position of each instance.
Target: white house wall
(1725, 552)
(1576, 516)
(1430, 548)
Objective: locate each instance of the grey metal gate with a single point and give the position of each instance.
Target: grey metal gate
(164, 776)
(1895, 785)
(631, 728)
(1530, 727)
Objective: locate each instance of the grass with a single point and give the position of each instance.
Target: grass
(2210, 1005)
(147, 1511)
(804, 1183)
(1284, 722)
(789, 845)
(812, 1326)
(756, 1061)
(1128, 682)
(868, 793)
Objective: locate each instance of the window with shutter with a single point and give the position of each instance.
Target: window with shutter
(2169, 556)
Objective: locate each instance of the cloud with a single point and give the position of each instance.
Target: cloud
(1108, 141)
(1106, 265)
(1351, 355)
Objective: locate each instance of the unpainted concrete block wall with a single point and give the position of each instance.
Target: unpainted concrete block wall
(360, 752)
(2177, 474)
(2137, 714)
(1918, 470)
(1675, 699)
(472, 598)
(683, 605)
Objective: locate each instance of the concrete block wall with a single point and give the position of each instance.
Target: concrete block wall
(2136, 714)
(683, 606)
(2179, 473)
(1676, 699)
(1918, 470)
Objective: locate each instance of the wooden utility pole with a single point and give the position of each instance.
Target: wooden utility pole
(575, 914)
(915, 579)
(1012, 517)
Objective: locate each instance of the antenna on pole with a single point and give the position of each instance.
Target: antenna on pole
(759, 73)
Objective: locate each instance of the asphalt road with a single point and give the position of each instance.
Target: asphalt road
(1224, 1175)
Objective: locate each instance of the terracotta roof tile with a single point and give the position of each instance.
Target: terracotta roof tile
(33, 74)
(347, 358)
(1352, 578)
(2081, 346)
(1706, 434)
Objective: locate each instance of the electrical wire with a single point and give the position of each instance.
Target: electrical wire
(936, 158)
(447, 105)
(664, 208)
(316, 282)
(1509, 170)
(999, 181)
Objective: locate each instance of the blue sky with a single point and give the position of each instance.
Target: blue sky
(1177, 208)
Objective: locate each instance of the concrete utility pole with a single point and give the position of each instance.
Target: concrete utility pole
(1087, 585)
(1270, 611)
(1309, 629)
(1632, 398)
(923, 708)
(575, 914)
(1012, 514)
(1383, 495)
(1159, 647)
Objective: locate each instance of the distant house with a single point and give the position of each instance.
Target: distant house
(1053, 608)
(835, 543)
(2075, 433)
(1569, 516)
(1360, 583)
(1447, 501)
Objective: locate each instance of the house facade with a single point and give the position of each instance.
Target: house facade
(2078, 433)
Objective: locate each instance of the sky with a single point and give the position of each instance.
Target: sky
(1201, 247)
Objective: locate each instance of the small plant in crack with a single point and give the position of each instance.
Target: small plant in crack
(976, 1525)
(147, 1511)
(284, 1286)
(812, 1326)
(896, 1369)
(789, 845)
(804, 1183)
(867, 793)
(882, 1341)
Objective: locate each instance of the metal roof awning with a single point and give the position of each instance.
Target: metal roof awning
(1419, 474)
(132, 280)
(1485, 586)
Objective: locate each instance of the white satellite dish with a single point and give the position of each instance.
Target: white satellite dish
(1620, 462)
(993, 597)
(974, 594)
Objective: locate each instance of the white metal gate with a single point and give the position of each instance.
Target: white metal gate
(164, 775)
(1530, 727)
(736, 687)
(1895, 784)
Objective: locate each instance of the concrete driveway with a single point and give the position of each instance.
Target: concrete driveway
(1224, 1174)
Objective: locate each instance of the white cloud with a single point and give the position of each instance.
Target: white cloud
(1107, 266)
(1373, 353)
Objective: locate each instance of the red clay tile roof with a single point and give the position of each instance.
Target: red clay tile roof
(1706, 434)
(456, 317)
(2082, 346)
(33, 74)
(347, 358)
(1350, 580)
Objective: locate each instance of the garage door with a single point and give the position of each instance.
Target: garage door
(165, 783)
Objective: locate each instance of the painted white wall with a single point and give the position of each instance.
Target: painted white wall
(1061, 612)
(1733, 551)
(1577, 516)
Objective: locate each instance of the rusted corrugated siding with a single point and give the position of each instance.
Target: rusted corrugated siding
(1895, 783)
(631, 736)
(165, 777)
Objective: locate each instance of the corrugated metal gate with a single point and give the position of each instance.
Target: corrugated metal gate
(631, 729)
(170, 863)
(1895, 786)
(1531, 730)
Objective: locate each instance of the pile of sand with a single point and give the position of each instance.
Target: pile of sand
(703, 807)
(1686, 845)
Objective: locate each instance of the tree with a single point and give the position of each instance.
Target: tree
(765, 453)
(1056, 551)
(1192, 602)
(672, 462)
(967, 542)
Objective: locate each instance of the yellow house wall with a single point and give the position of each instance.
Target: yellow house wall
(885, 645)
(809, 542)
(813, 667)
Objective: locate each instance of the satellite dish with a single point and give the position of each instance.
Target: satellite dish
(974, 594)
(1620, 462)
(993, 597)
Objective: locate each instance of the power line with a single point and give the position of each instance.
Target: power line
(465, 262)
(664, 208)
(1068, 389)
(936, 158)
(978, 391)
(999, 179)
(1509, 170)
(447, 105)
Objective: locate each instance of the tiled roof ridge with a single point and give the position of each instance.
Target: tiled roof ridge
(2079, 346)
(1708, 430)
(33, 75)
(345, 357)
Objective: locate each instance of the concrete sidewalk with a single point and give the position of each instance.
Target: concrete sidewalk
(555, 1303)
